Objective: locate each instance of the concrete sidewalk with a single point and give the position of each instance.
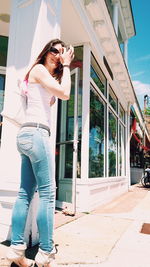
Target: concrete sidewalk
(114, 235)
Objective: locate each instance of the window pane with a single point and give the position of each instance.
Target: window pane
(3, 50)
(98, 76)
(78, 63)
(112, 150)
(2, 87)
(112, 99)
(65, 125)
(96, 142)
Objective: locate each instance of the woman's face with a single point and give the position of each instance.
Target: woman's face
(53, 57)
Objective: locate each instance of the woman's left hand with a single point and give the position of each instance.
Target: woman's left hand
(67, 56)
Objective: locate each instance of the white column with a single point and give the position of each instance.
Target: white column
(125, 51)
(33, 24)
(127, 142)
(85, 113)
(115, 17)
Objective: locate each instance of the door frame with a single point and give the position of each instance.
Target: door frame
(63, 204)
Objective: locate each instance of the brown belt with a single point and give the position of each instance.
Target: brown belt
(37, 125)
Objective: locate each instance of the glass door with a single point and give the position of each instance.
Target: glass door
(2, 90)
(67, 146)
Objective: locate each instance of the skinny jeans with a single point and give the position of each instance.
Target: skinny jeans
(36, 173)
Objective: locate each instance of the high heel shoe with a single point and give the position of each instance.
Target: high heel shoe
(16, 254)
(45, 259)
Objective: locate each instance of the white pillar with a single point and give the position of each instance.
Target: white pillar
(85, 113)
(115, 16)
(33, 24)
(125, 51)
(128, 144)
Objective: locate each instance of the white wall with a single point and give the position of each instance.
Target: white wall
(33, 24)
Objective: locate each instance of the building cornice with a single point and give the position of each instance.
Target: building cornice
(127, 16)
(102, 24)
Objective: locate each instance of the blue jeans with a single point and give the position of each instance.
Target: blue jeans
(34, 147)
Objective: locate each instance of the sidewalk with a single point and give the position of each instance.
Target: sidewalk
(114, 235)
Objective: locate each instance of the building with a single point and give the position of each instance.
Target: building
(139, 143)
(92, 156)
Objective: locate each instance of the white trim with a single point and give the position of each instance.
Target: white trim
(115, 16)
(2, 70)
(127, 144)
(125, 51)
(24, 3)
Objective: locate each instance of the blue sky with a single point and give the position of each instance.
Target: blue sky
(139, 50)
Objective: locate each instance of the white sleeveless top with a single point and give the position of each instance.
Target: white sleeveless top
(38, 107)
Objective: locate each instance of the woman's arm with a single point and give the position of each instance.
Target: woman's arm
(41, 75)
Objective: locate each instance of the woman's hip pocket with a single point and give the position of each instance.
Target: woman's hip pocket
(25, 140)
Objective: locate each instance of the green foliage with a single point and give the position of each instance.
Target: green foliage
(147, 112)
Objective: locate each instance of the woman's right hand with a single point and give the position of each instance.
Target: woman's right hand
(67, 56)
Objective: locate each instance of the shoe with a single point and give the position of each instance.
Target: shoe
(45, 259)
(16, 254)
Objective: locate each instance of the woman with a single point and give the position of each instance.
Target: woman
(48, 77)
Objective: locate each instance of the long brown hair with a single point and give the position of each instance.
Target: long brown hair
(57, 74)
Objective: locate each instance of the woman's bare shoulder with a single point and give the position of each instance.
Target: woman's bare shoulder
(39, 67)
(37, 72)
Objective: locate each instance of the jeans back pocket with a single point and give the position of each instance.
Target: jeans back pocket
(25, 140)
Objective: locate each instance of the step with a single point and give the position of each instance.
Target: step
(8, 201)
(7, 196)
(5, 231)
(9, 186)
(6, 214)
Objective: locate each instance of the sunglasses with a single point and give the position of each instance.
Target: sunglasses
(54, 50)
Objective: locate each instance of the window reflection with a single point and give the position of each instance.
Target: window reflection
(96, 142)
(3, 50)
(112, 149)
(112, 99)
(70, 130)
(98, 76)
(65, 126)
(2, 88)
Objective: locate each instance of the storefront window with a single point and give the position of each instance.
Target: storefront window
(98, 76)
(112, 149)
(3, 50)
(70, 132)
(112, 99)
(65, 125)
(96, 142)
(2, 87)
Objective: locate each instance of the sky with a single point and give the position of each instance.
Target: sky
(139, 50)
